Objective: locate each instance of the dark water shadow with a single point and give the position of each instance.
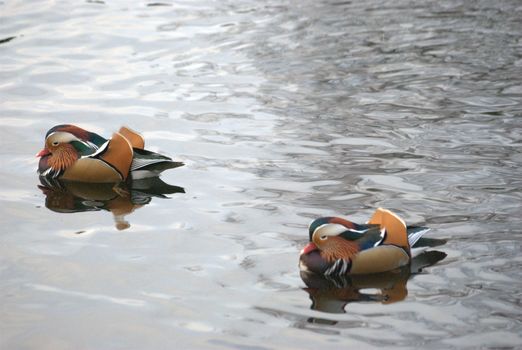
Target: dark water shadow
(120, 199)
(333, 294)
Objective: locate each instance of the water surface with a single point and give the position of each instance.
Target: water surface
(282, 112)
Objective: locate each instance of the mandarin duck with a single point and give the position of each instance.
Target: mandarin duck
(340, 247)
(72, 153)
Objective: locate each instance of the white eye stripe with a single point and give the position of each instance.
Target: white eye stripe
(330, 229)
(62, 136)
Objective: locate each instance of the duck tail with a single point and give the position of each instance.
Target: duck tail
(415, 233)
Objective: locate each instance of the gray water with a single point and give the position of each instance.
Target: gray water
(283, 112)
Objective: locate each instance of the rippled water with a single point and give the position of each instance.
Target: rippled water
(282, 111)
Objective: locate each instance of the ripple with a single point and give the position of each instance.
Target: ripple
(90, 296)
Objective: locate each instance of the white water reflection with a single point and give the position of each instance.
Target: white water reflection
(89, 296)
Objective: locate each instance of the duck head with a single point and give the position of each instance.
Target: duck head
(64, 145)
(331, 239)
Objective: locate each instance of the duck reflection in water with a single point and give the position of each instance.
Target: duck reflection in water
(120, 199)
(331, 294)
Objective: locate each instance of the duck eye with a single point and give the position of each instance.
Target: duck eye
(55, 143)
(323, 238)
